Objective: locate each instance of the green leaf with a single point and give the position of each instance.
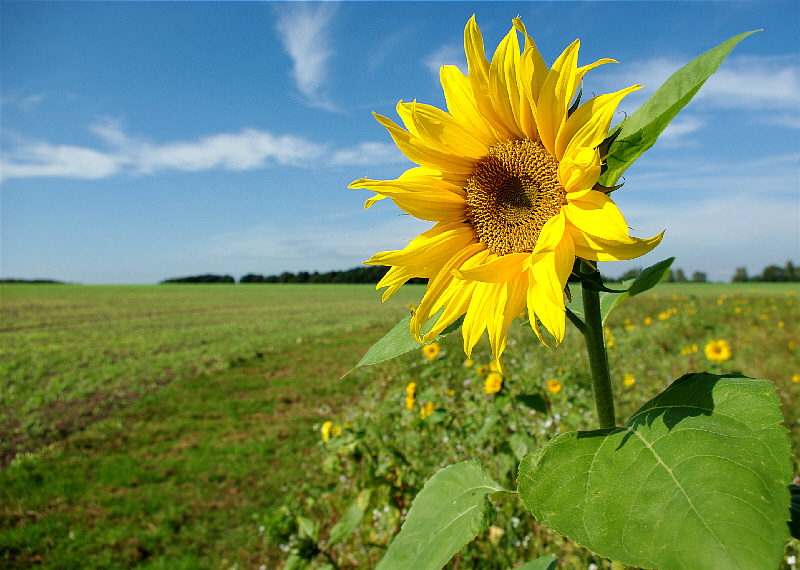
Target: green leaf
(642, 128)
(548, 562)
(399, 340)
(451, 510)
(646, 280)
(351, 519)
(695, 479)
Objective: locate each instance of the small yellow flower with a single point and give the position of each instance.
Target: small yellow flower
(630, 327)
(468, 363)
(737, 310)
(450, 392)
(411, 389)
(426, 410)
(718, 351)
(796, 378)
(326, 431)
(610, 344)
(483, 370)
(627, 321)
(493, 366)
(780, 324)
(792, 344)
(431, 351)
(410, 401)
(494, 383)
(695, 348)
(495, 534)
(720, 301)
(336, 431)
(554, 386)
(673, 310)
(629, 380)
(663, 316)
(648, 321)
(687, 350)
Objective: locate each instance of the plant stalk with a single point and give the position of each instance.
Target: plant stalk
(598, 358)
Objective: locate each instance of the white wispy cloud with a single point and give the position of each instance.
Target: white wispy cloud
(303, 30)
(122, 154)
(447, 55)
(367, 153)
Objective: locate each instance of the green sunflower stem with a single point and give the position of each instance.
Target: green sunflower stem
(598, 358)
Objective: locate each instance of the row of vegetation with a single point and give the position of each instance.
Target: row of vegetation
(373, 274)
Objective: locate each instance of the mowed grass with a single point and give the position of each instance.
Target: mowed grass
(187, 472)
(70, 353)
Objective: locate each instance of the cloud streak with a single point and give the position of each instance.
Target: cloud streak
(303, 31)
(248, 149)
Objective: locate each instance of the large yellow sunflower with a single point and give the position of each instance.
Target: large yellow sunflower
(507, 176)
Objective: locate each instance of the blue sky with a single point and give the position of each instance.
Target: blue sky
(148, 140)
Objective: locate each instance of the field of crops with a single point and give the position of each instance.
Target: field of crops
(181, 424)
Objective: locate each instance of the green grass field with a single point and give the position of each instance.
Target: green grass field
(178, 426)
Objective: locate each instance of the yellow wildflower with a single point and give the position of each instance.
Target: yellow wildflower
(411, 389)
(410, 401)
(554, 386)
(468, 363)
(629, 380)
(508, 178)
(695, 348)
(630, 327)
(686, 350)
(431, 351)
(426, 410)
(483, 370)
(326, 430)
(796, 378)
(663, 316)
(648, 321)
(718, 351)
(494, 383)
(336, 431)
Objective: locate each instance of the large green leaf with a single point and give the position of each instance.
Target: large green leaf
(451, 510)
(548, 562)
(399, 340)
(646, 280)
(640, 130)
(696, 479)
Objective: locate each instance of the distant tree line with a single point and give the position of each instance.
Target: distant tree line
(771, 273)
(368, 274)
(31, 281)
(207, 278)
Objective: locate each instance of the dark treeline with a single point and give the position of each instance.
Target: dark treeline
(208, 278)
(32, 281)
(770, 274)
(369, 274)
(374, 273)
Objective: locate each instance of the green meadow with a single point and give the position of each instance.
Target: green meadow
(178, 426)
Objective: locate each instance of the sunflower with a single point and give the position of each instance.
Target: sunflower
(508, 175)
(718, 350)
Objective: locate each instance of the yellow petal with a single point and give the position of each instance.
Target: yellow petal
(439, 130)
(439, 292)
(496, 268)
(424, 155)
(550, 235)
(513, 302)
(479, 78)
(371, 201)
(480, 307)
(429, 251)
(580, 171)
(552, 316)
(595, 249)
(503, 86)
(461, 103)
(555, 96)
(588, 125)
(596, 214)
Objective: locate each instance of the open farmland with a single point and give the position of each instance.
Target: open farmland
(70, 353)
(205, 443)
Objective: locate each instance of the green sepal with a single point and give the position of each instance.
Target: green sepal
(609, 301)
